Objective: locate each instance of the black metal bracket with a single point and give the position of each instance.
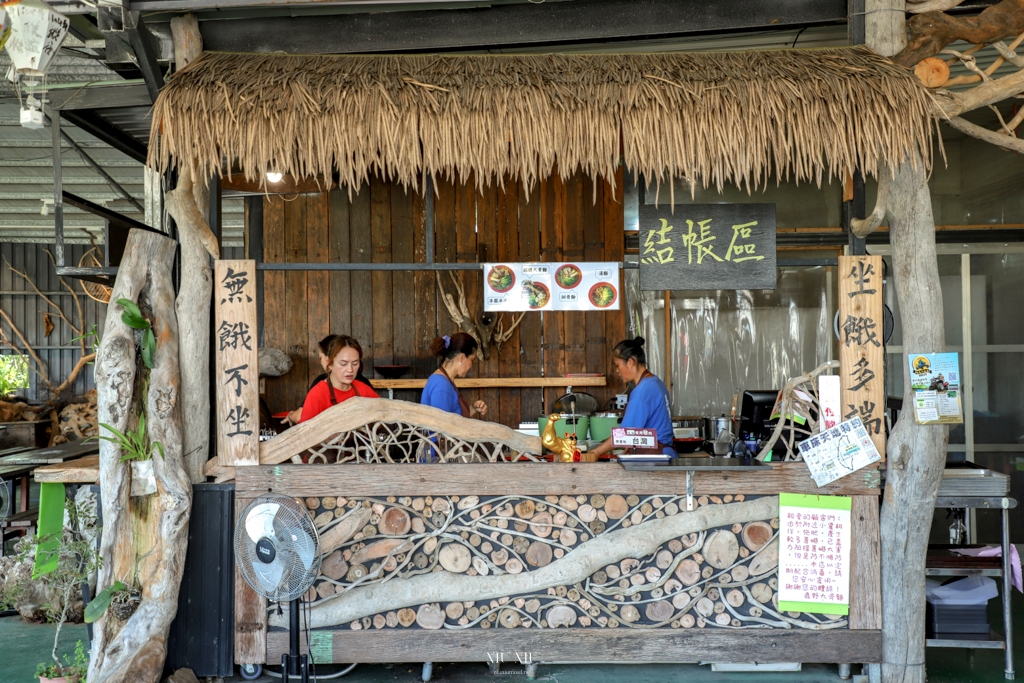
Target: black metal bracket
(128, 28)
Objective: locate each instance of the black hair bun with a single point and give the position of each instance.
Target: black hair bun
(639, 341)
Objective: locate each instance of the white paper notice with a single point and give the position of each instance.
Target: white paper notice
(814, 554)
(829, 390)
(839, 451)
(580, 286)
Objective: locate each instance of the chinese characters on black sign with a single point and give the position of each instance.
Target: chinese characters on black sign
(237, 366)
(707, 246)
(860, 344)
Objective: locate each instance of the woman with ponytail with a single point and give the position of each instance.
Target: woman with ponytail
(649, 405)
(456, 353)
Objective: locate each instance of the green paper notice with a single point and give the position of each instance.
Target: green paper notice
(321, 646)
(814, 553)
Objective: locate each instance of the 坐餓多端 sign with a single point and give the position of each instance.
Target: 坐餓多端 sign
(707, 246)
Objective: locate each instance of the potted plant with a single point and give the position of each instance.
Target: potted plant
(72, 561)
(136, 449)
(74, 669)
(135, 445)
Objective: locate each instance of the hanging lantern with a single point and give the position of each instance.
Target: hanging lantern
(36, 34)
(5, 27)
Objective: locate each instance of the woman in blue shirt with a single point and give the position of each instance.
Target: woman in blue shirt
(456, 353)
(649, 405)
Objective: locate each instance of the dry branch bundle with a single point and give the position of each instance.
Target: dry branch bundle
(714, 117)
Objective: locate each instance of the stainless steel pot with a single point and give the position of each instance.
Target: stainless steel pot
(713, 426)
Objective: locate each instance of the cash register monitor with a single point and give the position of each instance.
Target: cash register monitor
(755, 412)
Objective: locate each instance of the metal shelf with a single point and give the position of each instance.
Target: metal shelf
(995, 642)
(940, 571)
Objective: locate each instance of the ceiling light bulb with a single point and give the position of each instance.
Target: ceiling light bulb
(273, 177)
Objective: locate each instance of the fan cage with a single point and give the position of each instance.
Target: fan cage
(293, 519)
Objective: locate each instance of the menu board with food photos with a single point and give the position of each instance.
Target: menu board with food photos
(578, 286)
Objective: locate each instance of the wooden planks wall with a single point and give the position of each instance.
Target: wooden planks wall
(395, 314)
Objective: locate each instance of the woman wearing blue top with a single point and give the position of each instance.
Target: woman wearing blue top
(649, 403)
(456, 353)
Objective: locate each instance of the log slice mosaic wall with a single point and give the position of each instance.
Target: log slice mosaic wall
(586, 561)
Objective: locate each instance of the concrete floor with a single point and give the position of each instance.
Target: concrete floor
(23, 645)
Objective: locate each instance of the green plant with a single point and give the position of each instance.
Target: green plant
(92, 335)
(13, 373)
(132, 317)
(75, 667)
(77, 561)
(98, 605)
(134, 445)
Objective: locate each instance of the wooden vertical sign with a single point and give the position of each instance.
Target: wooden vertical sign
(861, 359)
(237, 379)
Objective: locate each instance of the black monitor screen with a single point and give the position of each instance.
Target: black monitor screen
(755, 412)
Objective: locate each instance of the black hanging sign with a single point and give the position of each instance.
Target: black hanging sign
(707, 246)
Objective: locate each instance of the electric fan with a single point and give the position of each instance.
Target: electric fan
(278, 554)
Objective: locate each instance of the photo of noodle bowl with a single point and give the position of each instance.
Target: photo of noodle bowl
(568, 276)
(603, 294)
(537, 294)
(501, 279)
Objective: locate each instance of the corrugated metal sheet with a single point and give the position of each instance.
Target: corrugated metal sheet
(19, 300)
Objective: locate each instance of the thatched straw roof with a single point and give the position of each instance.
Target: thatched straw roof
(712, 117)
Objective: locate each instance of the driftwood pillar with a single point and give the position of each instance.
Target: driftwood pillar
(144, 538)
(186, 204)
(916, 454)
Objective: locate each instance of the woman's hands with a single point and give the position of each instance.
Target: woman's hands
(293, 417)
(479, 409)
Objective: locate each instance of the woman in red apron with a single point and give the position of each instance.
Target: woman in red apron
(344, 358)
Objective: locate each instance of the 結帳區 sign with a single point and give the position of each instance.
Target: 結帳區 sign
(707, 246)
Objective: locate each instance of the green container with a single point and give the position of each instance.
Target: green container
(563, 426)
(601, 427)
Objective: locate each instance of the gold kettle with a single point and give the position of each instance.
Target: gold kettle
(565, 448)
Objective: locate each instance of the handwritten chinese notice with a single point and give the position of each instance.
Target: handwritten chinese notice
(839, 451)
(707, 246)
(576, 286)
(861, 366)
(814, 554)
(237, 376)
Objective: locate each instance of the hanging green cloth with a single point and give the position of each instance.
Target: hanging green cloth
(51, 524)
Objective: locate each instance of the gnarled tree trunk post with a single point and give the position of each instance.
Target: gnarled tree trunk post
(916, 454)
(187, 204)
(144, 538)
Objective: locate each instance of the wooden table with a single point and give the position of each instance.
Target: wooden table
(496, 383)
(84, 470)
(50, 456)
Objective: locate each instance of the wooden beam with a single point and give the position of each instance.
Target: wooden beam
(500, 382)
(250, 612)
(865, 565)
(594, 645)
(512, 24)
(532, 479)
(81, 471)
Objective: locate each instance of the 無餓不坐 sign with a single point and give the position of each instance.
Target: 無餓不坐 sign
(707, 246)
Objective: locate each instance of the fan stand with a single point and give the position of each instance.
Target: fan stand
(294, 666)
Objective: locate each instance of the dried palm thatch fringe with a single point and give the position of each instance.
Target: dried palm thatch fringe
(715, 118)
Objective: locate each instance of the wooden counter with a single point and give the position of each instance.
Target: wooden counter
(525, 543)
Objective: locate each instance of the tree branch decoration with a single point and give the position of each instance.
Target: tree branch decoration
(585, 561)
(379, 430)
(930, 35)
(57, 393)
(799, 397)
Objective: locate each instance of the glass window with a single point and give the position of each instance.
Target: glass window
(997, 283)
(998, 398)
